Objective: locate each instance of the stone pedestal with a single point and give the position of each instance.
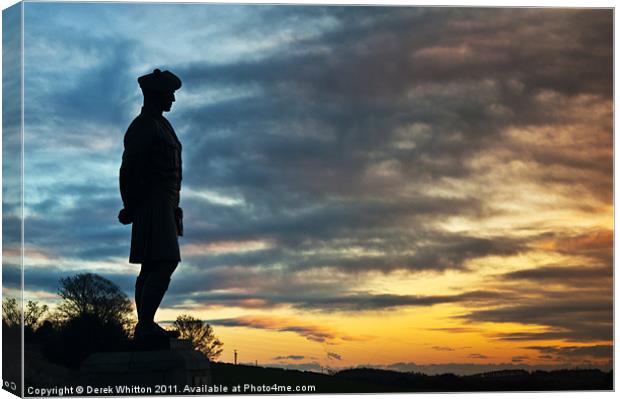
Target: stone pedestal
(180, 366)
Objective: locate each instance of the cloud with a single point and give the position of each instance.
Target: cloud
(289, 357)
(567, 302)
(443, 348)
(457, 329)
(572, 353)
(333, 356)
(354, 302)
(477, 356)
(310, 332)
(596, 244)
(377, 248)
(47, 279)
(563, 317)
(565, 275)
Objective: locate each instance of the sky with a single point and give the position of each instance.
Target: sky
(424, 189)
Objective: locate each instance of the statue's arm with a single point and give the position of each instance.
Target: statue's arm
(135, 166)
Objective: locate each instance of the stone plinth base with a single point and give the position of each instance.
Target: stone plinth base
(180, 366)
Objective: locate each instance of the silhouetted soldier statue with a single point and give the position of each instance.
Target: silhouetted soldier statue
(150, 182)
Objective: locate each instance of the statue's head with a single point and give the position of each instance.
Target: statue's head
(158, 89)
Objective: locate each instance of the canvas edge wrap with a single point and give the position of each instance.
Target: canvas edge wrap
(12, 192)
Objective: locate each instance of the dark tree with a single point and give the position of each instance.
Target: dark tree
(12, 315)
(94, 316)
(33, 314)
(200, 334)
(95, 296)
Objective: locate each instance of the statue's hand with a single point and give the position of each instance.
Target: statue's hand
(125, 217)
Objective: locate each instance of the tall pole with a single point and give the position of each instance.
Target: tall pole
(235, 356)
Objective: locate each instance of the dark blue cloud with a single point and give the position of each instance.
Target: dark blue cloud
(48, 279)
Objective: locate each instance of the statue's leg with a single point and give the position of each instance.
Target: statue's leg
(139, 288)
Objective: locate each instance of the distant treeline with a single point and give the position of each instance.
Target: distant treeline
(503, 380)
